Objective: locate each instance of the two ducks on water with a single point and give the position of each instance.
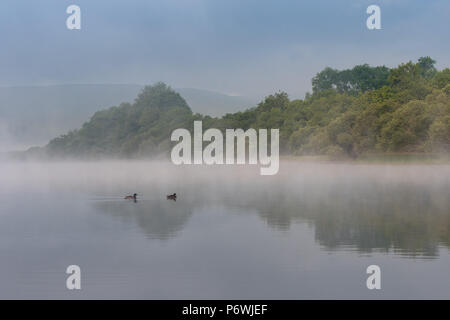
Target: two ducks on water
(169, 197)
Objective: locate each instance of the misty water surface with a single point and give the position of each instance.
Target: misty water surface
(308, 232)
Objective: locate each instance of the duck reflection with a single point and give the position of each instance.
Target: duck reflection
(157, 219)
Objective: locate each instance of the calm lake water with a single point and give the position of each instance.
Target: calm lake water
(308, 232)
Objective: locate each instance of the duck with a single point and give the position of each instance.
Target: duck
(133, 197)
(172, 197)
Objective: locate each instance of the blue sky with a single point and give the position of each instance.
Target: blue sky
(245, 47)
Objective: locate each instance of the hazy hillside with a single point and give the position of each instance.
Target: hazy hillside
(214, 103)
(34, 115)
(350, 113)
(140, 128)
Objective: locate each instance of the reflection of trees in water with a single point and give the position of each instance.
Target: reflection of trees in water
(409, 220)
(410, 223)
(413, 220)
(158, 219)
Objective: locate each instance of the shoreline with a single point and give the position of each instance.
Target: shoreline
(376, 159)
(383, 158)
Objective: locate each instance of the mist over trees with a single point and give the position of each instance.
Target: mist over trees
(350, 113)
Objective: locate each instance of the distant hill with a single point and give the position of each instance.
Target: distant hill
(214, 103)
(32, 115)
(130, 129)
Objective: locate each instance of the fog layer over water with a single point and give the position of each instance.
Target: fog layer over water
(308, 232)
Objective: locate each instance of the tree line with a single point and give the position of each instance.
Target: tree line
(349, 113)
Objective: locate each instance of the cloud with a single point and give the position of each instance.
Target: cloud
(252, 47)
